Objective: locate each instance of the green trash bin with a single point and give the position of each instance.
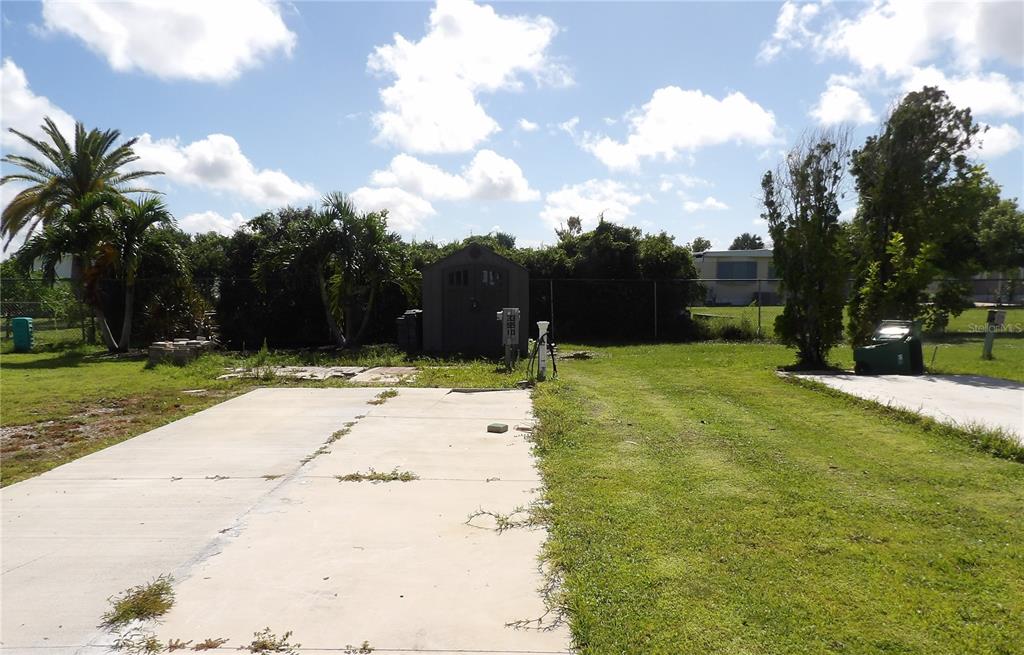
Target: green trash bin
(895, 349)
(21, 326)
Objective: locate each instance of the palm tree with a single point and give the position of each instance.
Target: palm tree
(131, 222)
(368, 259)
(66, 175)
(77, 232)
(78, 184)
(308, 241)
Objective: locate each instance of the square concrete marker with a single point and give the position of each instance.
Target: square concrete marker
(498, 427)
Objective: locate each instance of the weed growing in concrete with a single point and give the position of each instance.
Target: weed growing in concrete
(383, 396)
(340, 433)
(271, 476)
(520, 517)
(140, 603)
(394, 475)
(137, 642)
(177, 644)
(322, 450)
(217, 478)
(363, 649)
(265, 641)
(552, 593)
(210, 643)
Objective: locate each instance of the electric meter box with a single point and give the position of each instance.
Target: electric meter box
(509, 318)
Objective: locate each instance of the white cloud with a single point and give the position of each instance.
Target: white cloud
(841, 104)
(676, 120)
(669, 182)
(23, 110)
(217, 163)
(895, 37)
(996, 141)
(527, 126)
(184, 39)
(991, 94)
(791, 28)
(489, 176)
(405, 210)
(469, 49)
(569, 126)
(211, 221)
(709, 203)
(590, 199)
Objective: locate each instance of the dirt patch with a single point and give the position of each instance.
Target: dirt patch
(30, 449)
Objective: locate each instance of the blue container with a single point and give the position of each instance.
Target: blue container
(23, 339)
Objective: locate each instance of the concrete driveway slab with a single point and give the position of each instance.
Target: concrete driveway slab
(335, 562)
(439, 448)
(953, 399)
(394, 564)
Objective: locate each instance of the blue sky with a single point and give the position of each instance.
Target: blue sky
(463, 118)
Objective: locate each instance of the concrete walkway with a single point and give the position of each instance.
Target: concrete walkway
(337, 563)
(954, 399)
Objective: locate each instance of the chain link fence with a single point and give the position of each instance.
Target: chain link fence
(611, 310)
(58, 317)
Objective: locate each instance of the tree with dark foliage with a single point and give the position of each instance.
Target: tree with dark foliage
(920, 202)
(801, 205)
(747, 241)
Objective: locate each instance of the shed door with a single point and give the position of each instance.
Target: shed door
(473, 293)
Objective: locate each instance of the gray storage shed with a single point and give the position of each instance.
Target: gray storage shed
(461, 295)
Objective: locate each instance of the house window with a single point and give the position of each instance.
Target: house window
(731, 270)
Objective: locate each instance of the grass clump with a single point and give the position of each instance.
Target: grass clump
(520, 517)
(265, 641)
(140, 603)
(383, 396)
(363, 649)
(137, 642)
(394, 475)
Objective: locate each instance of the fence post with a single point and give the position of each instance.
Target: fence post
(551, 296)
(758, 308)
(655, 309)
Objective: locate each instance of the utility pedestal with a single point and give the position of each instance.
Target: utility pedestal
(996, 319)
(542, 350)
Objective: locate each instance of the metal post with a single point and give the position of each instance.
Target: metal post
(551, 296)
(990, 336)
(655, 309)
(759, 308)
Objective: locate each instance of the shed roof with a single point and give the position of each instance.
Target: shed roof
(482, 247)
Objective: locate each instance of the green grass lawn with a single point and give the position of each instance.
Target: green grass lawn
(699, 504)
(60, 405)
(956, 352)
(971, 321)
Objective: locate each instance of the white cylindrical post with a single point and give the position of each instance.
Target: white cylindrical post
(542, 350)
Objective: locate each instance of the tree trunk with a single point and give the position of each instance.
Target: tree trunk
(108, 337)
(366, 315)
(332, 324)
(126, 324)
